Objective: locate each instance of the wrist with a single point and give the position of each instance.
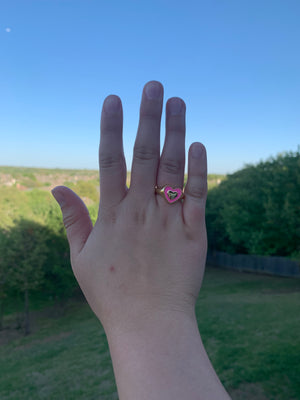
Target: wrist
(163, 357)
(150, 322)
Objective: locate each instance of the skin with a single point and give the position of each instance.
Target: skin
(141, 266)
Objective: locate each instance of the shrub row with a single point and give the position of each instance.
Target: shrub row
(257, 209)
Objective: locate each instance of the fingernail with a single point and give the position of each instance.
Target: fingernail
(153, 90)
(112, 104)
(197, 150)
(175, 106)
(59, 197)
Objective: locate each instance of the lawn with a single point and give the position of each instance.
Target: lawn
(249, 323)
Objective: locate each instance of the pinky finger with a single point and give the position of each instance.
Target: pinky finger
(196, 187)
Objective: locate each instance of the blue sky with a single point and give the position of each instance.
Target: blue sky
(235, 63)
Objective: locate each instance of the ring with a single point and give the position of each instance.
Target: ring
(170, 194)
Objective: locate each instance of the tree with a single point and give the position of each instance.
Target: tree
(24, 258)
(257, 209)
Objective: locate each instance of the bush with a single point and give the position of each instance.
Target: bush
(257, 209)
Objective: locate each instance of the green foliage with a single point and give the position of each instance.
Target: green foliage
(33, 247)
(29, 175)
(24, 255)
(214, 180)
(257, 209)
(29, 180)
(34, 251)
(13, 205)
(84, 189)
(39, 203)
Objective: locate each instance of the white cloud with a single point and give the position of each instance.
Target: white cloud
(7, 30)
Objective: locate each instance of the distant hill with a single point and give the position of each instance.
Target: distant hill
(25, 179)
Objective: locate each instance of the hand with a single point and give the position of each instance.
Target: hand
(144, 258)
(141, 266)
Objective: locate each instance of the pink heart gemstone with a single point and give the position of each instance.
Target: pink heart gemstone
(172, 194)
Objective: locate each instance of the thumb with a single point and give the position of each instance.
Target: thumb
(76, 218)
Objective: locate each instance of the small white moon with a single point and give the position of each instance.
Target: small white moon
(8, 30)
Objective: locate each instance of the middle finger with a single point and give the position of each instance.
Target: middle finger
(146, 151)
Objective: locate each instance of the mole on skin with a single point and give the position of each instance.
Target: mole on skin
(112, 268)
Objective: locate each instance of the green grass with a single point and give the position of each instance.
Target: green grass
(249, 324)
(65, 358)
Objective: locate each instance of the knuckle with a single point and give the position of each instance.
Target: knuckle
(198, 190)
(171, 165)
(109, 160)
(70, 219)
(144, 153)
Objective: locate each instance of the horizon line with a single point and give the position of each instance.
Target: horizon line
(86, 169)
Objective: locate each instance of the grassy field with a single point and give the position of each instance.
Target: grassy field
(250, 325)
